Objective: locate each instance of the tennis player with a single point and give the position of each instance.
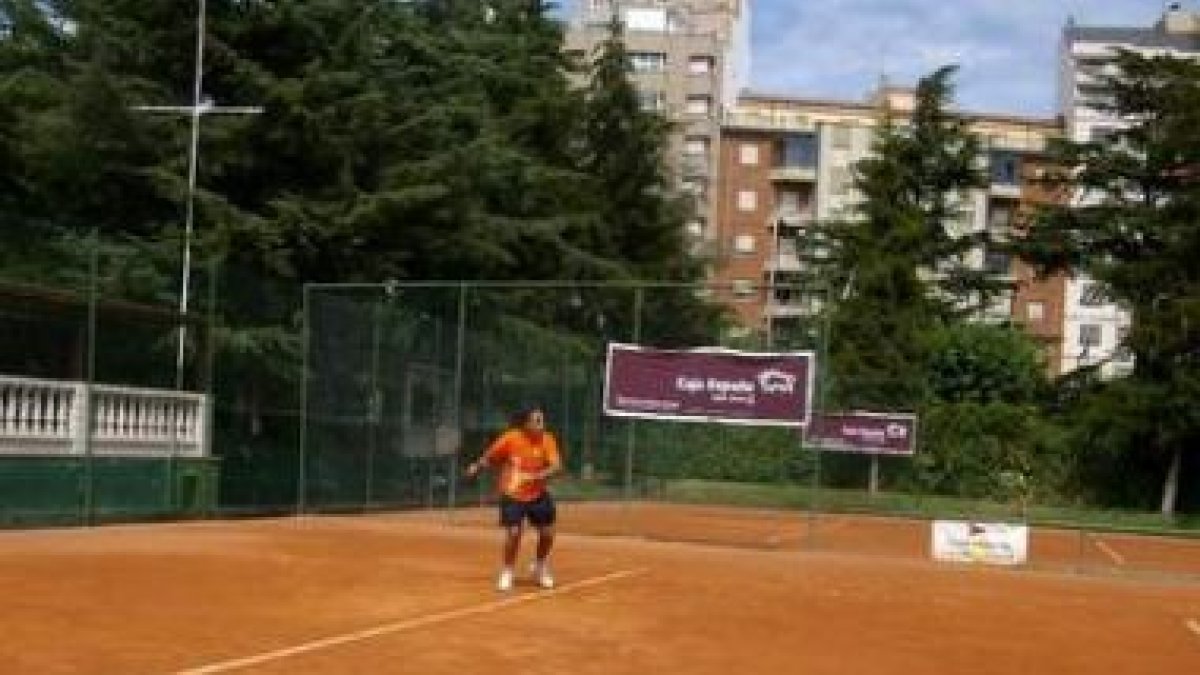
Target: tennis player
(526, 455)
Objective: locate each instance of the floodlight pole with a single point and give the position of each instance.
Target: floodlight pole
(200, 106)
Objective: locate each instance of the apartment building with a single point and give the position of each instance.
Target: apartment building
(1095, 326)
(690, 58)
(788, 161)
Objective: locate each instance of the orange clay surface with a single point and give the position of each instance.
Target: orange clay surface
(413, 593)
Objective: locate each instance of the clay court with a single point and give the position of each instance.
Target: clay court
(767, 592)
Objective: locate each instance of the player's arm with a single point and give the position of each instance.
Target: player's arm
(494, 455)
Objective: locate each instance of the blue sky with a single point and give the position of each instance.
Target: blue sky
(1007, 49)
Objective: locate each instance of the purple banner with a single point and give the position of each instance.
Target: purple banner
(709, 385)
(865, 432)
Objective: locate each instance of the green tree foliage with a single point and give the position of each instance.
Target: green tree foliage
(895, 267)
(429, 139)
(636, 216)
(1134, 226)
(984, 432)
(985, 363)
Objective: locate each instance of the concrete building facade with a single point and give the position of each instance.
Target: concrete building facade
(787, 162)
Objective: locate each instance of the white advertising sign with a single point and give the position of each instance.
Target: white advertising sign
(988, 543)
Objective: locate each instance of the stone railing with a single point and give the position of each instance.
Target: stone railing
(50, 417)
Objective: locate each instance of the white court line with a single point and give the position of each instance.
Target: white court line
(1194, 626)
(1110, 551)
(399, 626)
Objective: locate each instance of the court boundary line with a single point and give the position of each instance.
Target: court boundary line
(403, 625)
(1109, 551)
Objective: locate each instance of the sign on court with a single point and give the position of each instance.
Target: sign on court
(988, 543)
(709, 385)
(864, 432)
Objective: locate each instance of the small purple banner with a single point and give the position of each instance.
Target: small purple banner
(865, 432)
(709, 385)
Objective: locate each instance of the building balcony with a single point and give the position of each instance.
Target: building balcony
(1005, 189)
(795, 173)
(768, 121)
(791, 218)
(777, 309)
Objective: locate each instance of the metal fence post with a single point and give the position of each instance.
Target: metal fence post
(302, 460)
(88, 426)
(210, 358)
(376, 402)
(819, 407)
(459, 364)
(631, 426)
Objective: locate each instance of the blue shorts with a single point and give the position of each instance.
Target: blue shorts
(540, 512)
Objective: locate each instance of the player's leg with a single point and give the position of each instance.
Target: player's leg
(512, 517)
(543, 514)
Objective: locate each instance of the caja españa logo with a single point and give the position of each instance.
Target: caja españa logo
(775, 381)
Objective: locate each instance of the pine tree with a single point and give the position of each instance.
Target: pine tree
(1135, 228)
(640, 218)
(898, 266)
(637, 214)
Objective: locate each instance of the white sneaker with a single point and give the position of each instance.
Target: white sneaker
(505, 582)
(541, 572)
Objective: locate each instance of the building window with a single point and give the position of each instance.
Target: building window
(743, 244)
(1089, 335)
(1035, 311)
(648, 62)
(695, 229)
(1000, 219)
(1093, 295)
(747, 200)
(652, 100)
(743, 289)
(1124, 353)
(788, 201)
(1005, 168)
(996, 262)
(696, 146)
(695, 188)
(748, 154)
(652, 19)
(700, 64)
(840, 136)
(699, 105)
(798, 150)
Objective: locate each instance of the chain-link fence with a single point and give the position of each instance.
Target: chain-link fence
(103, 406)
(371, 397)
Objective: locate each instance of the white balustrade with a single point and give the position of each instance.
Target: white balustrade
(50, 417)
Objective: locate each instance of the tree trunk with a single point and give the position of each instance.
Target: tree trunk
(1171, 485)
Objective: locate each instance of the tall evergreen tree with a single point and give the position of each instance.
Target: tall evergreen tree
(898, 266)
(1134, 226)
(637, 214)
(640, 216)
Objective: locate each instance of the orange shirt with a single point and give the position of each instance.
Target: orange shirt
(521, 453)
